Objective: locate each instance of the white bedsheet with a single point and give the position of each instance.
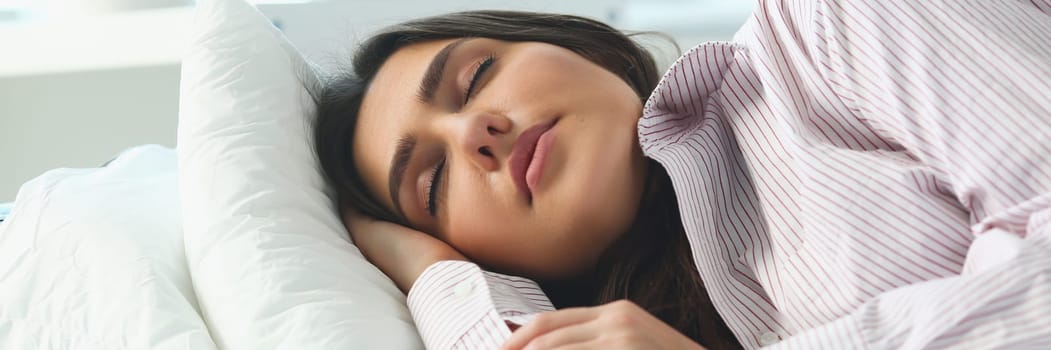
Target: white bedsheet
(93, 259)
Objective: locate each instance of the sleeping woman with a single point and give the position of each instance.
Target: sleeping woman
(843, 174)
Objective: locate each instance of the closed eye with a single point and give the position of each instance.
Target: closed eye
(482, 67)
(437, 171)
(432, 188)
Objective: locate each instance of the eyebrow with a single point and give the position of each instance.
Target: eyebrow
(400, 162)
(432, 78)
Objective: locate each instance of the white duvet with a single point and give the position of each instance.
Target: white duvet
(93, 259)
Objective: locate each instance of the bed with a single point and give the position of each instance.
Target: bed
(228, 241)
(80, 274)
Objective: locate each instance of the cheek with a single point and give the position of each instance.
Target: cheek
(477, 216)
(498, 234)
(482, 235)
(601, 181)
(468, 225)
(600, 194)
(545, 70)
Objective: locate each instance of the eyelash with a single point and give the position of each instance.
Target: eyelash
(432, 189)
(482, 67)
(436, 173)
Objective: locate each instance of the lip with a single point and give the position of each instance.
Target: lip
(524, 160)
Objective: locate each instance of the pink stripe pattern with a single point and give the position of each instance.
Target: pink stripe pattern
(839, 166)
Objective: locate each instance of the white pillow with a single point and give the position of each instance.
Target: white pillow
(271, 263)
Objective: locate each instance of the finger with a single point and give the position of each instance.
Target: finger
(572, 334)
(588, 345)
(547, 322)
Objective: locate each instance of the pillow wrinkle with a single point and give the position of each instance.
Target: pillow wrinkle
(270, 261)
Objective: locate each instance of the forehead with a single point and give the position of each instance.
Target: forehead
(388, 111)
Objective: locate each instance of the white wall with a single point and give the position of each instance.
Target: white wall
(85, 114)
(81, 119)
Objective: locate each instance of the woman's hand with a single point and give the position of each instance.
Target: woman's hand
(617, 325)
(400, 252)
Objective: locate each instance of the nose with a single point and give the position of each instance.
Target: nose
(484, 139)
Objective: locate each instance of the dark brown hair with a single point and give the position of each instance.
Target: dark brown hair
(651, 265)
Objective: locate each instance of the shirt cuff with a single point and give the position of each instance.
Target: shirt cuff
(455, 301)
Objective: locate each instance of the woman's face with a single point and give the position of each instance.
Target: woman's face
(521, 155)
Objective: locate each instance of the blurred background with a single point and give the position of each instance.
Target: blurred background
(82, 80)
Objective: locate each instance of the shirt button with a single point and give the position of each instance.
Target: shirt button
(769, 338)
(463, 290)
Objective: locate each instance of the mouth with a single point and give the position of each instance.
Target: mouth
(528, 156)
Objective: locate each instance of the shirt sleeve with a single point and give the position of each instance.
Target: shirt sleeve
(457, 305)
(964, 87)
